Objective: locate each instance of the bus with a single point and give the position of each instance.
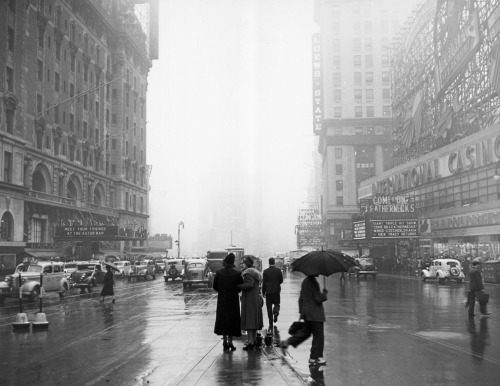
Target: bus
(215, 257)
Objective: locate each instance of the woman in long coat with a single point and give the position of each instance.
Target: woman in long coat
(251, 302)
(109, 282)
(227, 319)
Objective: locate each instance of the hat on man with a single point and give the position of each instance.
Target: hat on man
(271, 261)
(476, 261)
(229, 259)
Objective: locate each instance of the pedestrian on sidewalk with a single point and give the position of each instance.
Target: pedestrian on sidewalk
(251, 303)
(109, 282)
(476, 285)
(271, 289)
(311, 310)
(227, 318)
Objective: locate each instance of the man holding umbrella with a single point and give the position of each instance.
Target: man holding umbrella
(311, 298)
(312, 312)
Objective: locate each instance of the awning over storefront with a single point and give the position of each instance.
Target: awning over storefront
(44, 254)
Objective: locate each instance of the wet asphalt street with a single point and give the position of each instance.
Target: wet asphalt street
(388, 331)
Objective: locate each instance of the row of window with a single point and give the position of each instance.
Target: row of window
(358, 80)
(367, 26)
(369, 112)
(358, 95)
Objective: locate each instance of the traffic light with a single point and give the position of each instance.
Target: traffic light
(177, 242)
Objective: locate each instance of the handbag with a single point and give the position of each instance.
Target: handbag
(482, 297)
(296, 326)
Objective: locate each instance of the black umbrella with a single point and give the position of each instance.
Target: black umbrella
(113, 266)
(323, 263)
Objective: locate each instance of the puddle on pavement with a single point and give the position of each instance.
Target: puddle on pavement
(382, 327)
(439, 334)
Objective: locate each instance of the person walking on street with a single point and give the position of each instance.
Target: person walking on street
(251, 303)
(476, 285)
(271, 289)
(227, 317)
(109, 282)
(312, 312)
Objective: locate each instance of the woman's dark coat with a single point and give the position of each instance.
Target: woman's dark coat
(109, 281)
(227, 319)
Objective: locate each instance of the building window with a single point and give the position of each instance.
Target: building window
(113, 169)
(56, 114)
(10, 39)
(357, 79)
(57, 82)
(340, 201)
(368, 27)
(386, 93)
(370, 112)
(336, 45)
(10, 79)
(7, 167)
(336, 62)
(39, 103)
(41, 36)
(337, 112)
(85, 101)
(358, 112)
(368, 44)
(339, 185)
(356, 60)
(339, 169)
(368, 61)
(40, 71)
(385, 59)
(337, 79)
(338, 153)
(337, 96)
(386, 77)
(386, 112)
(369, 94)
(356, 27)
(369, 78)
(358, 95)
(6, 227)
(86, 72)
(9, 116)
(356, 44)
(384, 26)
(38, 230)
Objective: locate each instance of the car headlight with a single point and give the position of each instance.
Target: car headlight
(23, 280)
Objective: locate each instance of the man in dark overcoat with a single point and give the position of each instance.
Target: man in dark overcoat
(227, 319)
(271, 289)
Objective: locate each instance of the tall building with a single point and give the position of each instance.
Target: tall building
(352, 101)
(73, 85)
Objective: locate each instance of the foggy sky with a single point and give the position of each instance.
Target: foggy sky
(231, 90)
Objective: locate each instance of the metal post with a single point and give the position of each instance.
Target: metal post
(41, 285)
(20, 296)
(179, 239)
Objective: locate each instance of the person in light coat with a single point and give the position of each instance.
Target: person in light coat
(251, 302)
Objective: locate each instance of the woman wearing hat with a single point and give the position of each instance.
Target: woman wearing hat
(227, 319)
(251, 302)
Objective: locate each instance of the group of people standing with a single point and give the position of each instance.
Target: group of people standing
(229, 282)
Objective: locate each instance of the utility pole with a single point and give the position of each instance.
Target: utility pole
(179, 239)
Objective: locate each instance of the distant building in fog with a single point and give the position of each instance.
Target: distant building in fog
(352, 101)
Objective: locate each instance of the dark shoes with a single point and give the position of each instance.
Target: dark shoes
(249, 347)
(231, 347)
(225, 346)
(275, 318)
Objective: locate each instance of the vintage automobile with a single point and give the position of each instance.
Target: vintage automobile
(142, 268)
(366, 267)
(174, 268)
(124, 266)
(69, 268)
(54, 280)
(87, 275)
(444, 270)
(197, 272)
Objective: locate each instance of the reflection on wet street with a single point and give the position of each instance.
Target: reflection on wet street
(388, 331)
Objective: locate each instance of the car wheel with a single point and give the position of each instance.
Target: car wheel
(166, 278)
(64, 291)
(423, 278)
(34, 295)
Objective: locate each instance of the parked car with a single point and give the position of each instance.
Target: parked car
(69, 268)
(54, 280)
(86, 276)
(174, 268)
(124, 266)
(366, 266)
(444, 270)
(143, 268)
(197, 272)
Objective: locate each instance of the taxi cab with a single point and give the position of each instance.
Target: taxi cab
(34, 276)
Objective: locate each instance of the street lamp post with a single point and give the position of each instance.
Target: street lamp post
(179, 239)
